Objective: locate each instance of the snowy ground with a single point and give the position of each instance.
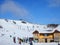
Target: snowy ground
(29, 44)
(19, 30)
(6, 40)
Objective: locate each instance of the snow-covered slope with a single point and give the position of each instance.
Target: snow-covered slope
(20, 29)
(17, 28)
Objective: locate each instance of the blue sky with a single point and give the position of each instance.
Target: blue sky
(35, 11)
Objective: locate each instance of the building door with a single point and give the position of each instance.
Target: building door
(46, 40)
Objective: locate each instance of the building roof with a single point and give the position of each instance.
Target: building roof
(56, 31)
(35, 32)
(48, 30)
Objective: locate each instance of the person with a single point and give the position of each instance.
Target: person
(31, 42)
(19, 41)
(14, 39)
(26, 40)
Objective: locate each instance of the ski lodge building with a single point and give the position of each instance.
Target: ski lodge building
(47, 35)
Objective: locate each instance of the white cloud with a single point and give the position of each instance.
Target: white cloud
(53, 3)
(16, 9)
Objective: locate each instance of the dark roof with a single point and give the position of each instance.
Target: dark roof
(56, 31)
(35, 32)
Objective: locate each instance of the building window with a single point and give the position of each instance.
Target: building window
(45, 34)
